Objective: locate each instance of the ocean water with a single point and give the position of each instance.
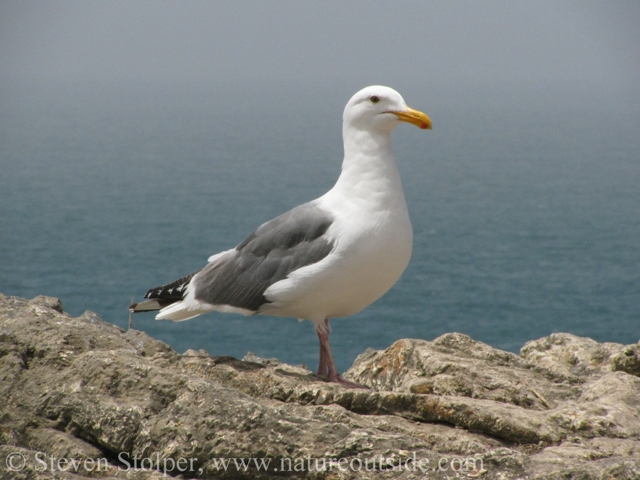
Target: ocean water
(525, 206)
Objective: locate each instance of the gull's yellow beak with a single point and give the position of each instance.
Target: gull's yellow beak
(415, 117)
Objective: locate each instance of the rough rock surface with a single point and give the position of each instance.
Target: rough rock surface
(80, 398)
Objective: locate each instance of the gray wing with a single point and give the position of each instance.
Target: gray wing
(288, 242)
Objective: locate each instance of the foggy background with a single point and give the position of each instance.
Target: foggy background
(239, 44)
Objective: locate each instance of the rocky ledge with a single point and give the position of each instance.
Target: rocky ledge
(80, 398)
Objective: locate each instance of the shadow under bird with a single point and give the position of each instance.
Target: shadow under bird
(330, 257)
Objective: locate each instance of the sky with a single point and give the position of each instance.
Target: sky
(290, 42)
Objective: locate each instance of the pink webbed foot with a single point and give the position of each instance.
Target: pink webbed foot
(327, 368)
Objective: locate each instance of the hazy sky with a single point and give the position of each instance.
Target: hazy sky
(330, 41)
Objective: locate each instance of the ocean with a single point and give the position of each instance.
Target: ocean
(525, 205)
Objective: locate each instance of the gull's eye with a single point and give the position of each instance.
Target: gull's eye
(374, 99)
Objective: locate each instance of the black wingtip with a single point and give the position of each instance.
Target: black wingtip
(171, 292)
(150, 305)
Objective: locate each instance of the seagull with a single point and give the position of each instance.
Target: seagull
(330, 257)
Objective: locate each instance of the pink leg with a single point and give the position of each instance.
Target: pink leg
(323, 336)
(323, 369)
(327, 367)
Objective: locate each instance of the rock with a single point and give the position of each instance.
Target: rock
(81, 398)
(628, 360)
(49, 302)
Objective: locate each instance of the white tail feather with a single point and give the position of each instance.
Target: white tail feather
(179, 312)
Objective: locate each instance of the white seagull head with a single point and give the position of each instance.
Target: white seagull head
(381, 109)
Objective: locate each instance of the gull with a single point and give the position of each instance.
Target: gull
(327, 258)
